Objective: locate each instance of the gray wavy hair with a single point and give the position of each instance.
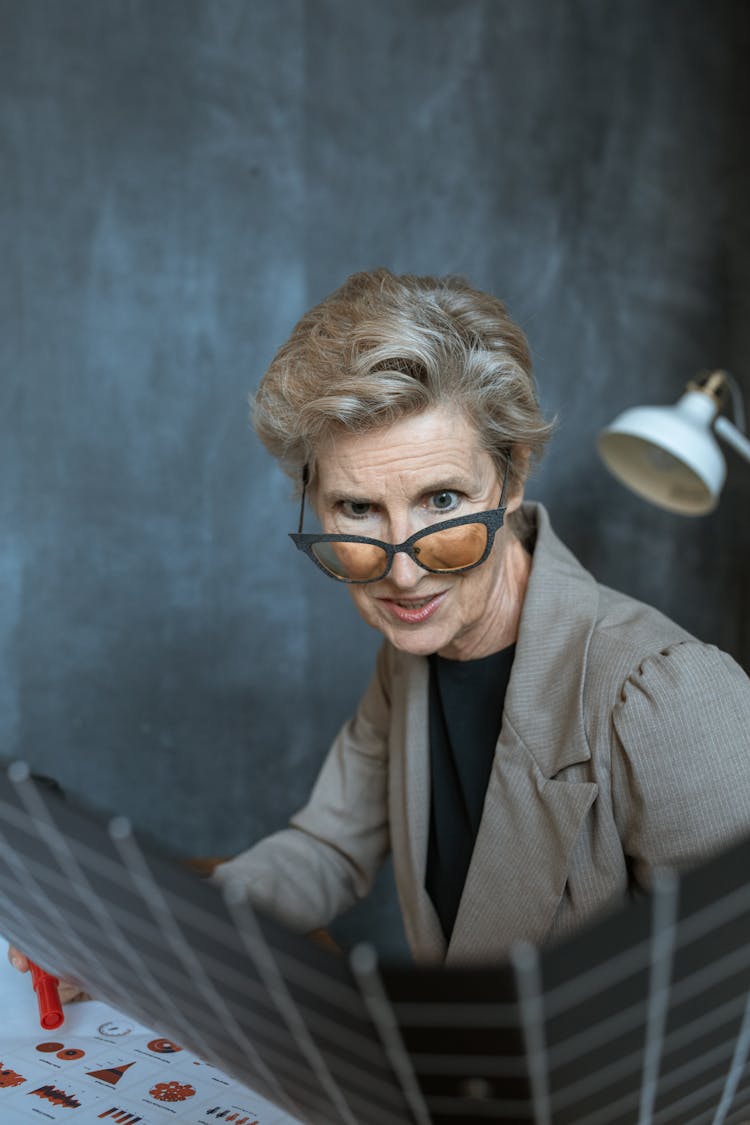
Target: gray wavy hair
(384, 346)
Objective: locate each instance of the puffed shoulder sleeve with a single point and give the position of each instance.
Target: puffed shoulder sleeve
(329, 855)
(681, 757)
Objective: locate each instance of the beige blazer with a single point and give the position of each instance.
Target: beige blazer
(625, 745)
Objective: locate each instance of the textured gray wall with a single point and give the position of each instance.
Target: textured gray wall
(179, 181)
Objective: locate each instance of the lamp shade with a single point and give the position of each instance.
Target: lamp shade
(668, 454)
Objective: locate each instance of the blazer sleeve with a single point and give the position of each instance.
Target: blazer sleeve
(681, 758)
(329, 855)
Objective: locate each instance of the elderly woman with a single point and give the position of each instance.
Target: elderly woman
(532, 744)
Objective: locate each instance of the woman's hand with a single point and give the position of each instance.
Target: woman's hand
(66, 989)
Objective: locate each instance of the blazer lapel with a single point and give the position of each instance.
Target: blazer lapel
(531, 819)
(521, 858)
(410, 806)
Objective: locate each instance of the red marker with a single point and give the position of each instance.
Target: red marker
(48, 998)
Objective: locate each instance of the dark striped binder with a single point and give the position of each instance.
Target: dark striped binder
(641, 1019)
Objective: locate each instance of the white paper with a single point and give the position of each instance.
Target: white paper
(102, 1068)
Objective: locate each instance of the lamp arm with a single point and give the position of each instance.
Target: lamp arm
(738, 405)
(732, 436)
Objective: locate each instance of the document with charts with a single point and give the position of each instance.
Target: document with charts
(100, 1066)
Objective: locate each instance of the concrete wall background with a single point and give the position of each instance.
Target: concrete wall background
(180, 181)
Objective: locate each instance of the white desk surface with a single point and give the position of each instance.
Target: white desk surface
(108, 1069)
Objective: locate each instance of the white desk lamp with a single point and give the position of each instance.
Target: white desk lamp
(669, 454)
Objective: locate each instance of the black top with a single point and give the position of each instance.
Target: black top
(466, 713)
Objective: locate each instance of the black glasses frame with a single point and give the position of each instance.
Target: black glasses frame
(492, 519)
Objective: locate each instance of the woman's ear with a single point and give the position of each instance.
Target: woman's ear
(521, 458)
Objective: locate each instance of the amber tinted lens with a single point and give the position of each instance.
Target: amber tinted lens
(359, 562)
(454, 548)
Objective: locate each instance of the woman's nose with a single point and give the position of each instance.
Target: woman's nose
(404, 572)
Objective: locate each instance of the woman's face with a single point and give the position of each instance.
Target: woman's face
(392, 482)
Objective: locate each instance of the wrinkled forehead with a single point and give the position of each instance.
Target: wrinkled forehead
(436, 447)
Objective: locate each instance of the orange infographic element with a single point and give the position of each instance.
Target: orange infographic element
(70, 1053)
(172, 1091)
(57, 1097)
(121, 1116)
(112, 1074)
(163, 1046)
(9, 1078)
(67, 1054)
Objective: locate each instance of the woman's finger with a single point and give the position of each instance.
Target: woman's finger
(69, 992)
(18, 960)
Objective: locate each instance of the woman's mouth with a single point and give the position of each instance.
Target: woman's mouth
(413, 611)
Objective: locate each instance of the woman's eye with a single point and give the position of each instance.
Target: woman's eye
(444, 501)
(356, 509)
